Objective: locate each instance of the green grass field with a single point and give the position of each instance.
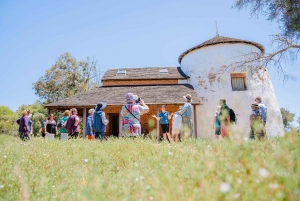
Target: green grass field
(139, 169)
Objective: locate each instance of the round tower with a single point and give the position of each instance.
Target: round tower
(213, 75)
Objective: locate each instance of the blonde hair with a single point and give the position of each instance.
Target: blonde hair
(67, 113)
(24, 113)
(73, 110)
(218, 109)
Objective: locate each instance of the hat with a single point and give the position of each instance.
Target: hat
(188, 97)
(100, 106)
(135, 97)
(129, 98)
(91, 111)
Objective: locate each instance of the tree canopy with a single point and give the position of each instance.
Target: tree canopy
(287, 118)
(7, 120)
(287, 14)
(66, 78)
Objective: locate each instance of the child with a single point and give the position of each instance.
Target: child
(176, 125)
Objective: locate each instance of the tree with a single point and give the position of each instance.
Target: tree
(287, 118)
(298, 121)
(287, 14)
(8, 119)
(66, 78)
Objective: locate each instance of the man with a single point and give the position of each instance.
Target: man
(263, 112)
(256, 122)
(90, 125)
(100, 121)
(224, 118)
(186, 112)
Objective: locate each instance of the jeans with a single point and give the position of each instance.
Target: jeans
(99, 135)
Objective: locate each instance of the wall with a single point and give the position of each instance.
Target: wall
(210, 75)
(137, 82)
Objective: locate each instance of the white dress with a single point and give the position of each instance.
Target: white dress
(176, 123)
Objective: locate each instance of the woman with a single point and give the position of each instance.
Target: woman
(73, 124)
(50, 127)
(29, 124)
(24, 129)
(216, 124)
(63, 121)
(176, 125)
(186, 112)
(164, 117)
(131, 112)
(89, 125)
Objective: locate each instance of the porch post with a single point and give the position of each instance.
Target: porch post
(120, 124)
(49, 111)
(84, 122)
(195, 122)
(157, 124)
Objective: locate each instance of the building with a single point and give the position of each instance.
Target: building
(205, 72)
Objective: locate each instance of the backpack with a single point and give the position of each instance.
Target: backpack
(62, 124)
(232, 116)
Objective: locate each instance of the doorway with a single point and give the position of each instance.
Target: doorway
(114, 125)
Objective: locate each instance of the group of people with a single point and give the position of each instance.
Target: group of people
(258, 118)
(131, 111)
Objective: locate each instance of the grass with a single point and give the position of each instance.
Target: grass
(126, 169)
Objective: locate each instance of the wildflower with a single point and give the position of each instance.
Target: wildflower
(148, 187)
(236, 195)
(53, 186)
(240, 181)
(273, 185)
(263, 172)
(170, 153)
(257, 181)
(225, 187)
(151, 198)
(4, 156)
(86, 160)
(1, 186)
(136, 179)
(141, 178)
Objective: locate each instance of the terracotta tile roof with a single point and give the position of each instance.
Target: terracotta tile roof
(218, 40)
(145, 73)
(161, 94)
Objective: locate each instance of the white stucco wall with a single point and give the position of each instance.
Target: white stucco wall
(211, 80)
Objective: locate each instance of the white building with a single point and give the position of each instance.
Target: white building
(208, 66)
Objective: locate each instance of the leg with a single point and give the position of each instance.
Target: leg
(176, 137)
(165, 136)
(169, 137)
(102, 135)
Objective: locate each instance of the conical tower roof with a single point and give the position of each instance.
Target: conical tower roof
(220, 40)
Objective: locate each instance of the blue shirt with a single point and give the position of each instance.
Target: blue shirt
(164, 117)
(263, 111)
(89, 125)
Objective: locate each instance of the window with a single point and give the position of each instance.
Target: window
(163, 71)
(238, 81)
(121, 72)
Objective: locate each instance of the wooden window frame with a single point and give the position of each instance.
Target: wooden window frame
(238, 75)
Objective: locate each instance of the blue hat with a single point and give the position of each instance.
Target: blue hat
(100, 106)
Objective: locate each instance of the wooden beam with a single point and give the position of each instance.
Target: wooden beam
(84, 122)
(157, 123)
(195, 122)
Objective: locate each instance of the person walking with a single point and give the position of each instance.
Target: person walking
(50, 127)
(216, 123)
(131, 113)
(90, 124)
(163, 118)
(43, 127)
(224, 118)
(73, 124)
(23, 126)
(263, 111)
(186, 112)
(100, 121)
(256, 123)
(30, 124)
(63, 123)
(176, 125)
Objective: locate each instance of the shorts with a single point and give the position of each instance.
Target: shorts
(165, 128)
(175, 130)
(217, 130)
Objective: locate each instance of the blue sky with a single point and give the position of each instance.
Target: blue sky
(120, 34)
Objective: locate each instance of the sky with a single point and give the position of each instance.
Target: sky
(121, 34)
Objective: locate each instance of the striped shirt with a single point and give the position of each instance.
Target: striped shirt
(186, 110)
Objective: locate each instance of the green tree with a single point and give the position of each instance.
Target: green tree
(8, 119)
(66, 78)
(287, 118)
(287, 14)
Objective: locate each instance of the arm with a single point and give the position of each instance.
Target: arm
(103, 119)
(157, 118)
(76, 121)
(90, 125)
(26, 124)
(228, 118)
(170, 116)
(183, 109)
(145, 107)
(45, 126)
